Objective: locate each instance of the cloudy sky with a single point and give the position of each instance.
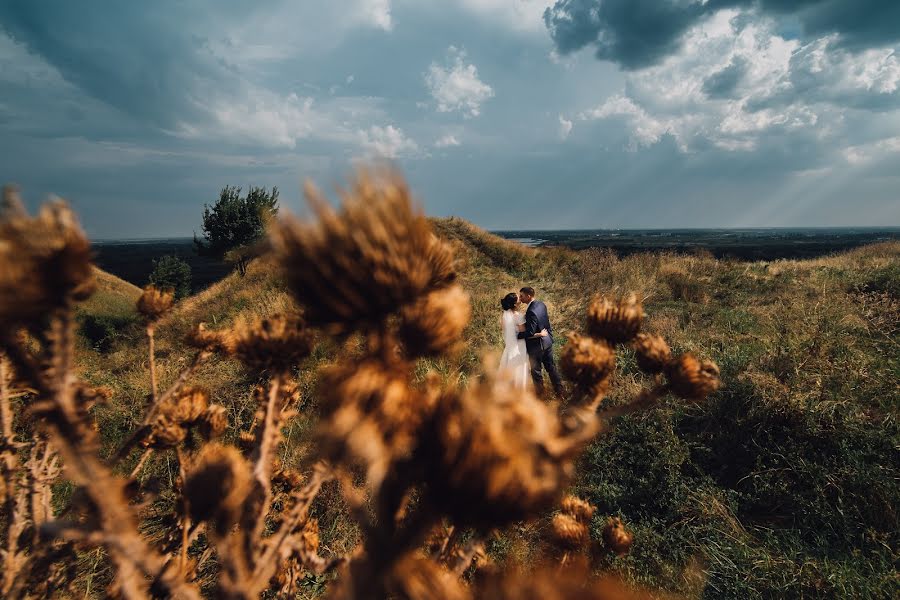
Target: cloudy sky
(510, 113)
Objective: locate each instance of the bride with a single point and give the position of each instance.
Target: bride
(514, 360)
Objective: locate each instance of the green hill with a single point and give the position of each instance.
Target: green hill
(785, 483)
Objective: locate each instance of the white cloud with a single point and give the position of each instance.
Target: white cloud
(456, 86)
(387, 142)
(447, 141)
(377, 12)
(867, 153)
(520, 15)
(736, 81)
(565, 127)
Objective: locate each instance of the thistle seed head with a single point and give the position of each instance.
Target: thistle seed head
(203, 339)
(616, 321)
(353, 269)
(434, 325)
(165, 433)
(217, 486)
(187, 406)
(581, 510)
(45, 261)
(155, 302)
(213, 422)
(568, 532)
(277, 343)
(692, 379)
(651, 352)
(616, 537)
(586, 361)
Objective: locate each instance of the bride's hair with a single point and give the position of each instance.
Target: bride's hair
(509, 301)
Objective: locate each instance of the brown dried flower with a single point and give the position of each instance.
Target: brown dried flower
(277, 343)
(155, 302)
(616, 537)
(568, 532)
(497, 455)
(370, 417)
(416, 578)
(434, 325)
(651, 352)
(587, 362)
(187, 406)
(578, 508)
(353, 269)
(45, 261)
(217, 486)
(692, 379)
(203, 339)
(165, 433)
(616, 321)
(213, 422)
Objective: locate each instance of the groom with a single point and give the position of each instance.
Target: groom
(540, 349)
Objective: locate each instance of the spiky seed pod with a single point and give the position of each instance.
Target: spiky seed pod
(246, 440)
(277, 343)
(309, 536)
(352, 270)
(578, 508)
(568, 532)
(155, 302)
(188, 405)
(165, 433)
(651, 352)
(616, 321)
(213, 422)
(692, 379)
(370, 416)
(495, 455)
(586, 361)
(203, 339)
(45, 261)
(434, 325)
(217, 486)
(616, 537)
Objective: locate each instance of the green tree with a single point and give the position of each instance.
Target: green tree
(234, 223)
(172, 272)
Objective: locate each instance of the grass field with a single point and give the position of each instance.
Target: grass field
(784, 483)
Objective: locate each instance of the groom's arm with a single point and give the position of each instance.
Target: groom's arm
(531, 326)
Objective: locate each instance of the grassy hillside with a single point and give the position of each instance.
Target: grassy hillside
(786, 481)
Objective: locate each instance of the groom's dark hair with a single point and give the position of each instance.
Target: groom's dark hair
(528, 291)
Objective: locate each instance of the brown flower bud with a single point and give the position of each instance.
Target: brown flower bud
(587, 362)
(188, 405)
(154, 302)
(578, 508)
(568, 532)
(651, 352)
(203, 339)
(616, 321)
(277, 343)
(217, 486)
(213, 422)
(616, 537)
(165, 433)
(692, 379)
(434, 325)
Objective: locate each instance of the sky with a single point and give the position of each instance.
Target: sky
(514, 114)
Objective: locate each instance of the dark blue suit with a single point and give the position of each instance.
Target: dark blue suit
(540, 349)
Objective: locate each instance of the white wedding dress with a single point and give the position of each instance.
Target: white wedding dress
(514, 360)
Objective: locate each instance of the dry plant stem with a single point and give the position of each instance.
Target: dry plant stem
(185, 519)
(77, 446)
(141, 462)
(464, 557)
(151, 337)
(9, 464)
(267, 439)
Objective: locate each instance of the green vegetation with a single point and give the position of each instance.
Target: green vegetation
(785, 483)
(235, 222)
(172, 272)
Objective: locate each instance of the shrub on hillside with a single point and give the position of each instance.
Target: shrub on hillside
(172, 272)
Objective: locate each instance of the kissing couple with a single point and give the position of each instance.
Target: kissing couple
(528, 342)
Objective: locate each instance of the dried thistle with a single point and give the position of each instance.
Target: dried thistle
(155, 302)
(587, 362)
(45, 261)
(213, 422)
(277, 343)
(353, 269)
(187, 406)
(692, 379)
(205, 340)
(651, 352)
(578, 508)
(217, 486)
(616, 537)
(616, 321)
(434, 325)
(165, 433)
(415, 578)
(568, 532)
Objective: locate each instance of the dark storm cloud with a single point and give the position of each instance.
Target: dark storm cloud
(640, 33)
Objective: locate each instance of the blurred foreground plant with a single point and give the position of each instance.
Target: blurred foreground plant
(428, 470)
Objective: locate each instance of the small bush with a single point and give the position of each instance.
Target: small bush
(172, 272)
(102, 331)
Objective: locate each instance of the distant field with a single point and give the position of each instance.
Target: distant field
(742, 244)
(132, 260)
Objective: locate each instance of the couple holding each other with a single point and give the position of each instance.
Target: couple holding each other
(528, 342)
